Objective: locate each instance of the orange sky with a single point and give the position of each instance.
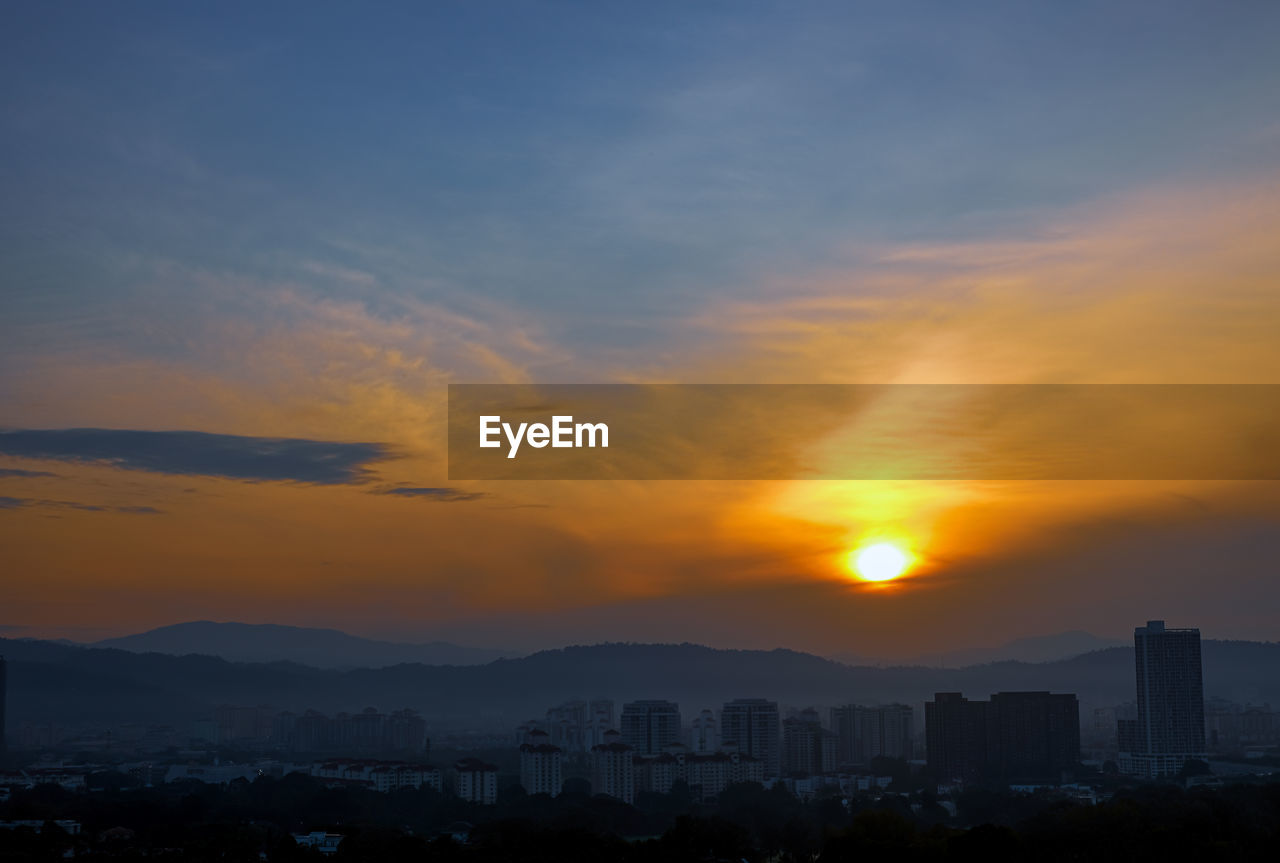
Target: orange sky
(1171, 284)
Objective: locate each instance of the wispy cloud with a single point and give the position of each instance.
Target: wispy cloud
(201, 453)
(28, 502)
(444, 495)
(18, 473)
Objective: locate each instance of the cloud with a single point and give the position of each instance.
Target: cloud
(17, 502)
(445, 495)
(201, 453)
(13, 472)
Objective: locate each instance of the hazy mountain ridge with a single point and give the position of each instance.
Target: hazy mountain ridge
(317, 647)
(1037, 648)
(69, 684)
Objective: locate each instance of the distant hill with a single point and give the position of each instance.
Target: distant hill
(91, 685)
(321, 648)
(1041, 648)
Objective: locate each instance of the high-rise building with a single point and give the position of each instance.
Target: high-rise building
(808, 749)
(576, 726)
(476, 781)
(649, 726)
(864, 733)
(613, 768)
(4, 684)
(540, 769)
(1015, 737)
(751, 726)
(1032, 736)
(955, 731)
(704, 736)
(1169, 730)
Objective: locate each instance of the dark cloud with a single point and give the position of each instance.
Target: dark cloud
(18, 472)
(445, 495)
(200, 453)
(16, 502)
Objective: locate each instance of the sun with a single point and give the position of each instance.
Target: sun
(880, 561)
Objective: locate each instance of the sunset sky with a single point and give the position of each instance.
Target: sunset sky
(304, 220)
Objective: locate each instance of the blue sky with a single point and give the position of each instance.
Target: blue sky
(600, 163)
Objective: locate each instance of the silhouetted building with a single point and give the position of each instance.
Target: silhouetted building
(378, 775)
(369, 731)
(576, 726)
(649, 726)
(476, 781)
(1169, 729)
(4, 690)
(1032, 737)
(864, 733)
(406, 731)
(540, 769)
(1230, 726)
(704, 735)
(751, 725)
(1016, 737)
(525, 732)
(706, 775)
(807, 747)
(955, 730)
(613, 768)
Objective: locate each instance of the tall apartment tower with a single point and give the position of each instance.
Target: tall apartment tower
(540, 768)
(704, 738)
(808, 749)
(648, 727)
(867, 732)
(613, 768)
(1033, 736)
(1169, 729)
(956, 737)
(752, 725)
(1013, 738)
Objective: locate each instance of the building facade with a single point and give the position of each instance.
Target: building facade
(1033, 737)
(864, 733)
(752, 727)
(704, 733)
(955, 730)
(540, 768)
(807, 748)
(1169, 730)
(1015, 738)
(648, 727)
(476, 781)
(613, 768)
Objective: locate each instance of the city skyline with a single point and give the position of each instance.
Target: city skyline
(547, 430)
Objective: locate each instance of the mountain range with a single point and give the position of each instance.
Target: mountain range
(93, 685)
(331, 648)
(320, 648)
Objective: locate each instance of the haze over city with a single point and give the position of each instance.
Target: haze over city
(716, 432)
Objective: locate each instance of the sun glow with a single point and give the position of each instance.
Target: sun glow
(881, 561)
